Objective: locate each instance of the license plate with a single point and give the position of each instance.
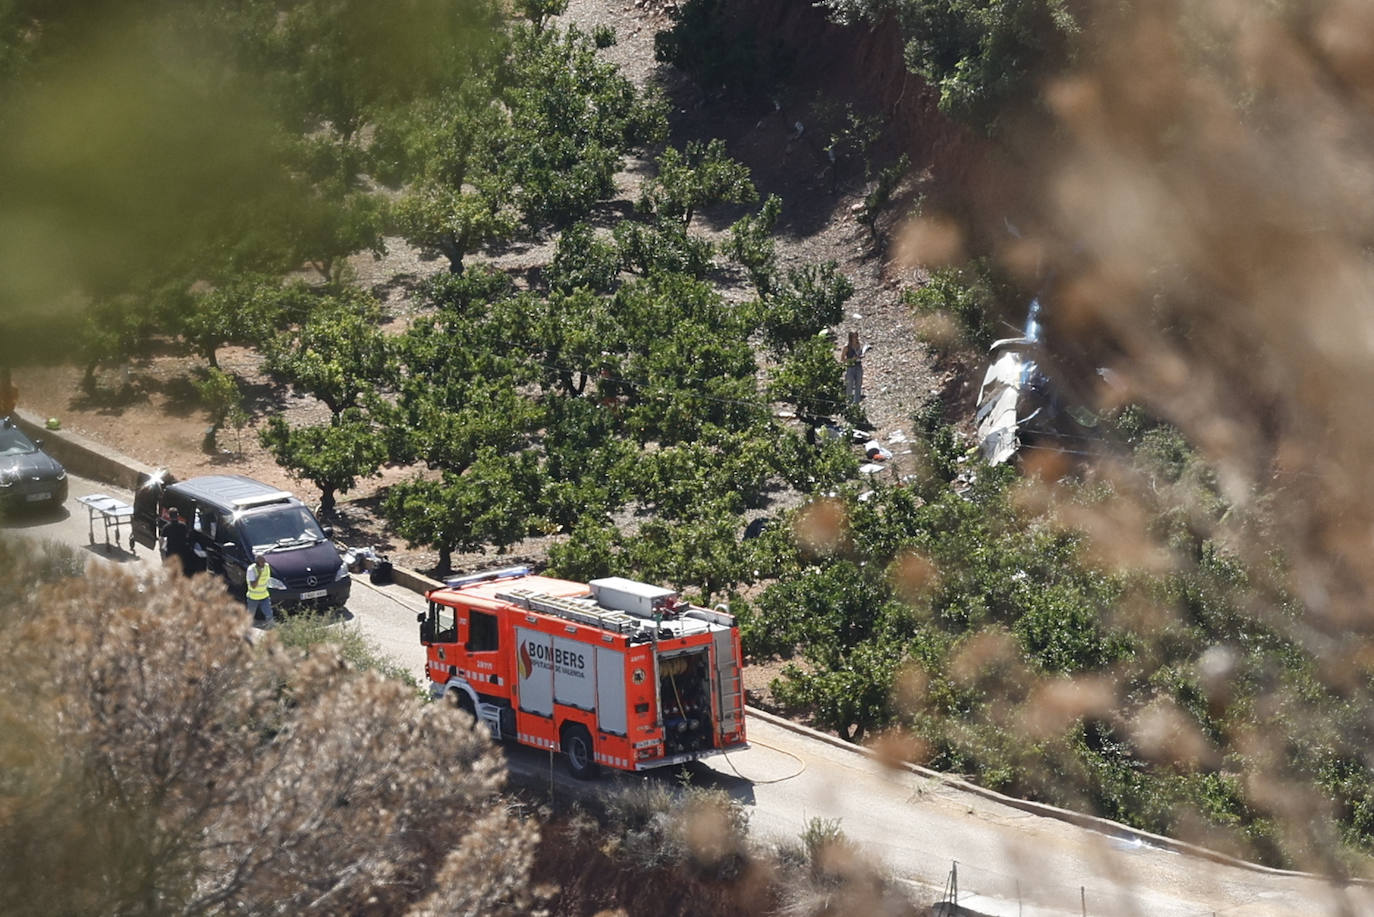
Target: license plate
(314, 594)
(40, 495)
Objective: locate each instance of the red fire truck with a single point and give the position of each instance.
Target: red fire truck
(613, 673)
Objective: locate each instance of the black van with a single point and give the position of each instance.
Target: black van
(232, 517)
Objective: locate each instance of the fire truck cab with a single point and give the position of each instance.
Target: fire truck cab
(613, 673)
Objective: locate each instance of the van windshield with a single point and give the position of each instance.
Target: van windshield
(280, 526)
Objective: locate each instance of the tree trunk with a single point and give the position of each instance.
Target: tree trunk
(445, 560)
(327, 502)
(454, 253)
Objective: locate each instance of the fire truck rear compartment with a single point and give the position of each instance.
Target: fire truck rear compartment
(684, 690)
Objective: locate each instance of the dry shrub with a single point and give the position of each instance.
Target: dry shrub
(831, 876)
(659, 850)
(156, 761)
(1209, 219)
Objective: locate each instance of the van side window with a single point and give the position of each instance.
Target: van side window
(482, 632)
(445, 624)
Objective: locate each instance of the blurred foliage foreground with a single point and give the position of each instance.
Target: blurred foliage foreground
(154, 760)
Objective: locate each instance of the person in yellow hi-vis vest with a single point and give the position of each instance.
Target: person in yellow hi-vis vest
(258, 575)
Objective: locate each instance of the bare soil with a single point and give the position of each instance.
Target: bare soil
(150, 411)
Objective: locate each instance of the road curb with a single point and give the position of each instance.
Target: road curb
(81, 455)
(1045, 810)
(87, 458)
(414, 581)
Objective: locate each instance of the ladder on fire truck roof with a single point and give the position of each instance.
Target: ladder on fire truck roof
(583, 611)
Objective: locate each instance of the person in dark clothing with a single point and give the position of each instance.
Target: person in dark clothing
(176, 541)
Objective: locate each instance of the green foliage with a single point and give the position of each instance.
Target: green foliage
(721, 55)
(810, 381)
(585, 460)
(261, 118)
(573, 118)
(331, 222)
(539, 12)
(814, 467)
(156, 132)
(700, 549)
(337, 354)
(645, 248)
(878, 198)
(603, 36)
(939, 449)
(443, 152)
(695, 177)
(305, 630)
(220, 394)
(445, 220)
(496, 502)
(751, 245)
(848, 135)
(246, 310)
(584, 259)
(114, 331)
(973, 295)
(983, 56)
(335, 63)
(811, 301)
(687, 364)
(851, 625)
(332, 456)
(593, 550)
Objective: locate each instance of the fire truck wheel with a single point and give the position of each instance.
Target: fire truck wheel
(577, 745)
(461, 700)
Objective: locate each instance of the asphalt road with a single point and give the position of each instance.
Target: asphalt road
(1009, 861)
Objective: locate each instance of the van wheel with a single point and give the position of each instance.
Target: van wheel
(577, 746)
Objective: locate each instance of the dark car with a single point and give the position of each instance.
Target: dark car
(28, 475)
(231, 518)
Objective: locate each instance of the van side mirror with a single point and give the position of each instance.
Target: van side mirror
(328, 531)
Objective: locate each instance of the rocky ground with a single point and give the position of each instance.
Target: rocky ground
(149, 410)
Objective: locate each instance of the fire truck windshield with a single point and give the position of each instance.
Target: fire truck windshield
(280, 526)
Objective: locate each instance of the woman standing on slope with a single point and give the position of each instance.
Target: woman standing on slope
(852, 356)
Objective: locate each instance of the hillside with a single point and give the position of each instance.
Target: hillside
(608, 350)
(149, 409)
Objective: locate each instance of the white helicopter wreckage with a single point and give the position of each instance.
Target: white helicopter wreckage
(1018, 400)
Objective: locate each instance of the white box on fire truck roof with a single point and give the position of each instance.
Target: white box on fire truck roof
(627, 595)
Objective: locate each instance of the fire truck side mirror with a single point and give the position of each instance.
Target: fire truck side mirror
(426, 628)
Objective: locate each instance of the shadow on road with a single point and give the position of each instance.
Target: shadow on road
(28, 517)
(719, 774)
(111, 552)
